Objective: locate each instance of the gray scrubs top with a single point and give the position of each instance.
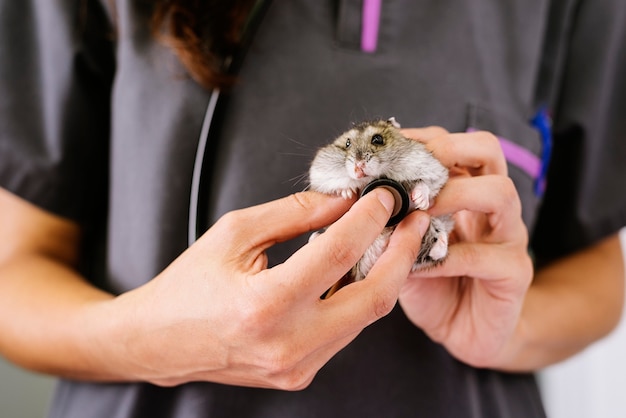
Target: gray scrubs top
(99, 124)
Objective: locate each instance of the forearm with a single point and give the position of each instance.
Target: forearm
(572, 303)
(47, 320)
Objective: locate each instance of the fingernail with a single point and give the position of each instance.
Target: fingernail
(386, 198)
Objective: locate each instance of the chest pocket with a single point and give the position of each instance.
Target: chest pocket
(522, 147)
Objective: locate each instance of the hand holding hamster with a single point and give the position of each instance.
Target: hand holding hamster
(474, 304)
(375, 150)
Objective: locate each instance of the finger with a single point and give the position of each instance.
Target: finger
(366, 301)
(424, 134)
(323, 261)
(479, 151)
(285, 218)
(492, 195)
(483, 261)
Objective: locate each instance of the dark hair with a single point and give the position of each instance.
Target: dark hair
(202, 33)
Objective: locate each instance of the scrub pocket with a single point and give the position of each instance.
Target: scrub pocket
(522, 147)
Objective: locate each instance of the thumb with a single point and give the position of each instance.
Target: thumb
(323, 261)
(406, 240)
(282, 219)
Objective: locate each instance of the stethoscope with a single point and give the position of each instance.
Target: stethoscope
(194, 227)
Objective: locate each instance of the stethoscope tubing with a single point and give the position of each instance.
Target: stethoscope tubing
(193, 230)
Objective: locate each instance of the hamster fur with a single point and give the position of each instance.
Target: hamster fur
(377, 149)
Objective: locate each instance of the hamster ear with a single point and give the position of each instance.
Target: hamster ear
(393, 122)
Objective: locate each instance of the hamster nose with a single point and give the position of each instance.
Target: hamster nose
(359, 169)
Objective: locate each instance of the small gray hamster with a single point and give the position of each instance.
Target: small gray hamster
(377, 149)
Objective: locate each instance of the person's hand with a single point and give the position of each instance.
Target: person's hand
(218, 314)
(471, 303)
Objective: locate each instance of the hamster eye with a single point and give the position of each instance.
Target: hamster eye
(377, 139)
(348, 143)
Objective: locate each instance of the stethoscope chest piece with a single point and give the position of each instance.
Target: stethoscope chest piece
(401, 208)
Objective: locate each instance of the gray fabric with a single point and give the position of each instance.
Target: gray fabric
(103, 129)
(585, 200)
(54, 93)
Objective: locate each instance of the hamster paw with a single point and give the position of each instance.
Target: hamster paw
(434, 248)
(440, 249)
(419, 196)
(347, 193)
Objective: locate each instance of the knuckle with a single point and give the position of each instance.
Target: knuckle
(301, 201)
(284, 369)
(256, 320)
(492, 143)
(493, 154)
(470, 256)
(229, 230)
(279, 359)
(294, 381)
(384, 299)
(279, 363)
(443, 145)
(489, 138)
(509, 196)
(378, 217)
(230, 221)
(342, 253)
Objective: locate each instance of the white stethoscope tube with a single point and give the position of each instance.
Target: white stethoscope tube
(192, 232)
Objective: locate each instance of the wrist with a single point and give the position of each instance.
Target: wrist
(116, 338)
(516, 354)
(142, 336)
(97, 350)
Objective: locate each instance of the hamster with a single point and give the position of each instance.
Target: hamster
(377, 149)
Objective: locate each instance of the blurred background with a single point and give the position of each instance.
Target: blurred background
(589, 385)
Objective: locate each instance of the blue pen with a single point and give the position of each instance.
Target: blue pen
(543, 123)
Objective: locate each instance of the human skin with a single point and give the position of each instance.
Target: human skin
(217, 313)
(485, 304)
